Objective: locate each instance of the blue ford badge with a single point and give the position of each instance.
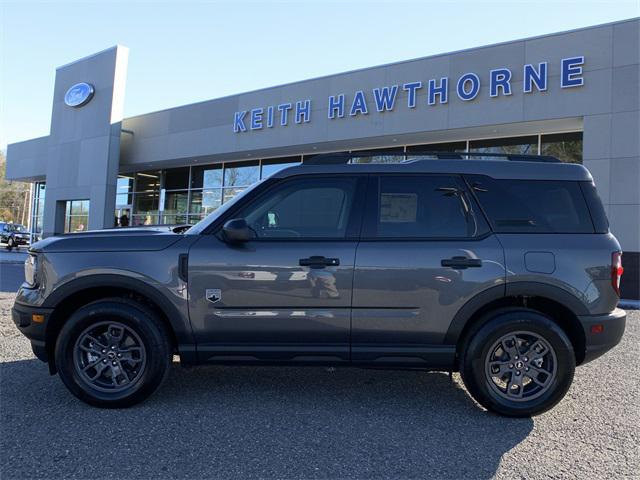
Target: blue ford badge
(79, 94)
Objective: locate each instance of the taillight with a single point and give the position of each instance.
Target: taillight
(616, 270)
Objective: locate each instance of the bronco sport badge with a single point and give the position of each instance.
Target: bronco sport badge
(213, 294)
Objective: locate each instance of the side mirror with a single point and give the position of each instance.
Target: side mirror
(237, 230)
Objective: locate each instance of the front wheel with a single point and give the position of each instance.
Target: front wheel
(10, 244)
(113, 353)
(517, 363)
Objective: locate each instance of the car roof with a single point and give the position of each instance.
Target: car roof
(499, 169)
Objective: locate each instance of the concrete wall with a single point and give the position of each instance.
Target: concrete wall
(611, 147)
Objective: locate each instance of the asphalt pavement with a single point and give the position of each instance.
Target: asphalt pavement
(248, 422)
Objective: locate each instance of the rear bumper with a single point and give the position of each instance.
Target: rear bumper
(35, 331)
(613, 325)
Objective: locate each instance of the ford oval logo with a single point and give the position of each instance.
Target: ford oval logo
(79, 94)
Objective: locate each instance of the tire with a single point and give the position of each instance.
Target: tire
(129, 336)
(10, 244)
(500, 378)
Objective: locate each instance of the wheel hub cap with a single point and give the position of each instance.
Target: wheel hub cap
(109, 356)
(521, 366)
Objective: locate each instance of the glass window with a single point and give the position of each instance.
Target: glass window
(229, 193)
(536, 206)
(146, 181)
(122, 217)
(596, 209)
(170, 219)
(175, 203)
(422, 207)
(380, 156)
(76, 217)
(206, 176)
(79, 207)
(205, 201)
(38, 209)
(437, 147)
(241, 174)
(304, 208)
(193, 219)
(513, 145)
(137, 220)
(271, 166)
(564, 146)
(146, 203)
(176, 178)
(123, 190)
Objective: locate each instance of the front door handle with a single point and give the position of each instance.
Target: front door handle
(319, 262)
(461, 263)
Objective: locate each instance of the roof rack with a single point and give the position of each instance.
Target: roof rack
(344, 157)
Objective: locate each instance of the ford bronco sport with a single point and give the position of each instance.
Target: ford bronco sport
(502, 268)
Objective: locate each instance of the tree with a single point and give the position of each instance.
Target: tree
(14, 197)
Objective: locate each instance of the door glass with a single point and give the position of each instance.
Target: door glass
(308, 208)
(422, 206)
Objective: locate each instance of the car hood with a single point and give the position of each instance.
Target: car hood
(110, 240)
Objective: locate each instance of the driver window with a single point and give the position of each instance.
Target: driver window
(303, 208)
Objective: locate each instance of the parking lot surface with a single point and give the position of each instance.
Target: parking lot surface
(249, 422)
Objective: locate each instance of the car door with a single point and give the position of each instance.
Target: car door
(284, 296)
(425, 251)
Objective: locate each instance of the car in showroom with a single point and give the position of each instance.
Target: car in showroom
(500, 267)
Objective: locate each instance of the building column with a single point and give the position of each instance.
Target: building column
(84, 144)
(612, 154)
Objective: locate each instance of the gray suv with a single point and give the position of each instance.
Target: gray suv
(501, 267)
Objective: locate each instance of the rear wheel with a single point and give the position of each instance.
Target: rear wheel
(113, 353)
(517, 363)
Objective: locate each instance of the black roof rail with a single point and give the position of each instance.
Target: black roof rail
(340, 158)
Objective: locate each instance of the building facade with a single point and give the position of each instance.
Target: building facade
(573, 95)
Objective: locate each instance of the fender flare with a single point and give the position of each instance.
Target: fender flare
(511, 289)
(179, 323)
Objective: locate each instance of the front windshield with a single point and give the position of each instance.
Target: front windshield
(18, 228)
(206, 221)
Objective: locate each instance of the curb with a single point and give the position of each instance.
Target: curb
(629, 304)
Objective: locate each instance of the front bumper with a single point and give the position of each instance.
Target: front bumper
(35, 331)
(613, 325)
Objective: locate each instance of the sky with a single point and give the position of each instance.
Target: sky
(186, 51)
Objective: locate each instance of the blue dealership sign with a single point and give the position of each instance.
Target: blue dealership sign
(435, 92)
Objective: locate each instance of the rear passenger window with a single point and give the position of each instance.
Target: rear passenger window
(532, 206)
(421, 207)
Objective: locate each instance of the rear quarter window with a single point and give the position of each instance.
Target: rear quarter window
(532, 206)
(598, 215)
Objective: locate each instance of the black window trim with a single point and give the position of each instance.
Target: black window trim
(354, 224)
(371, 213)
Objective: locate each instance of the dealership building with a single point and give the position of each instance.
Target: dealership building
(572, 94)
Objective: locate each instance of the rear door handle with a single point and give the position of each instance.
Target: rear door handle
(317, 261)
(461, 263)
